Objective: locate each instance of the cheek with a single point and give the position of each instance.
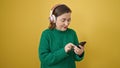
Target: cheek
(59, 23)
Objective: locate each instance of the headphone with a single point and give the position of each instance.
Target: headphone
(52, 17)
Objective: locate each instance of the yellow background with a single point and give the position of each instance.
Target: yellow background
(96, 21)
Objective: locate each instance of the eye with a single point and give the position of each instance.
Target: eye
(63, 20)
(69, 20)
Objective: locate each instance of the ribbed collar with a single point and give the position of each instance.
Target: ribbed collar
(60, 30)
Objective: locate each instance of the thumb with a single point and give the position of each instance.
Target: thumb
(81, 46)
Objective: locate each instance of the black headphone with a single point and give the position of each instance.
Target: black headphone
(52, 17)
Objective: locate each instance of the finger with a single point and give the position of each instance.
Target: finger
(75, 47)
(75, 51)
(81, 46)
(72, 44)
(69, 47)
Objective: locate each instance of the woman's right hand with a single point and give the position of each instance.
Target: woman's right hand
(69, 47)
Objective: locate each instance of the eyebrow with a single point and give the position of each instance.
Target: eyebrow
(65, 18)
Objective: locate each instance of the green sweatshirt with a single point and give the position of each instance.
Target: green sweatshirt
(51, 49)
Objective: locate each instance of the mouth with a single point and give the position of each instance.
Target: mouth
(66, 27)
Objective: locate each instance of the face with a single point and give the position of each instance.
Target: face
(63, 21)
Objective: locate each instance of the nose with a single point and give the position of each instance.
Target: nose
(66, 23)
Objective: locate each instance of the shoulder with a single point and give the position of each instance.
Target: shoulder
(46, 31)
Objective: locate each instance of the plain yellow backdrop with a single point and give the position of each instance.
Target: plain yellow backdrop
(96, 21)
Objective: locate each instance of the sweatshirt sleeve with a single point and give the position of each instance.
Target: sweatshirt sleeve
(76, 42)
(46, 56)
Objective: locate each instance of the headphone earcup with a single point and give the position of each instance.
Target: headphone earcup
(52, 18)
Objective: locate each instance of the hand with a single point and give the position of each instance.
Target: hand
(78, 51)
(69, 47)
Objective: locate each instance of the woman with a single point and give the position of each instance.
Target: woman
(58, 44)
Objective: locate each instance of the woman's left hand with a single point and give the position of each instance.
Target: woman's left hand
(78, 51)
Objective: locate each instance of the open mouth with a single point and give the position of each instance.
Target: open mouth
(65, 27)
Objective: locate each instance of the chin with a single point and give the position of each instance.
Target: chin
(64, 29)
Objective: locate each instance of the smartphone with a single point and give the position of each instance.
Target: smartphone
(82, 44)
